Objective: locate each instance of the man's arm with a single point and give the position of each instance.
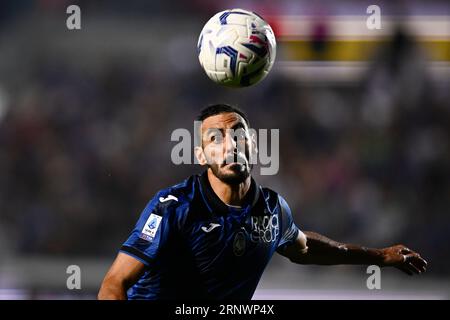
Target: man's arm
(313, 248)
(124, 272)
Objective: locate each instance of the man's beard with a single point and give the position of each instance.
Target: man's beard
(234, 175)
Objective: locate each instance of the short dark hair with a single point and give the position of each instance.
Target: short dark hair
(215, 109)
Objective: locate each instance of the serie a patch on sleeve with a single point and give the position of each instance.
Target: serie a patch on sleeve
(151, 226)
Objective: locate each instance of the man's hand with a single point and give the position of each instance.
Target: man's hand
(404, 259)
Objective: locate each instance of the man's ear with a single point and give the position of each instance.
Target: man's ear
(200, 155)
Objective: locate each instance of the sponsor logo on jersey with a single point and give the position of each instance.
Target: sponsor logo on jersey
(168, 198)
(210, 227)
(265, 229)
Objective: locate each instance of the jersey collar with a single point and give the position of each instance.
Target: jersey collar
(216, 205)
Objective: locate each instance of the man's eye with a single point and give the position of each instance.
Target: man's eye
(216, 139)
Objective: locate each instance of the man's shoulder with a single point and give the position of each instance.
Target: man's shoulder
(274, 199)
(270, 195)
(179, 193)
(175, 198)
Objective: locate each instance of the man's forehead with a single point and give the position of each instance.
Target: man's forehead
(223, 121)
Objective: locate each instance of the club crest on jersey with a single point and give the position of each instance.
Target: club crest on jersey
(239, 244)
(151, 226)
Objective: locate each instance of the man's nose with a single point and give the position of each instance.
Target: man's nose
(230, 143)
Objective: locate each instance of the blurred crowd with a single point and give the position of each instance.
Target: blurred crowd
(81, 153)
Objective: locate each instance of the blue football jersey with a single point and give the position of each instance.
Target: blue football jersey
(196, 247)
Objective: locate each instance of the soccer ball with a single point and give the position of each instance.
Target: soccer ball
(236, 48)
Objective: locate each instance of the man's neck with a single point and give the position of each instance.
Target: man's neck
(231, 195)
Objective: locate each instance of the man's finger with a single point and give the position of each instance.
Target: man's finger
(416, 259)
(405, 250)
(411, 256)
(414, 268)
(408, 265)
(419, 263)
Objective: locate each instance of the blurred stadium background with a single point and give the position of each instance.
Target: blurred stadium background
(86, 118)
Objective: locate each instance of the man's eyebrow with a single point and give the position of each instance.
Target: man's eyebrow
(213, 130)
(238, 125)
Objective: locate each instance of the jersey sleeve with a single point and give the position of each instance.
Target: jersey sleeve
(150, 233)
(289, 231)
